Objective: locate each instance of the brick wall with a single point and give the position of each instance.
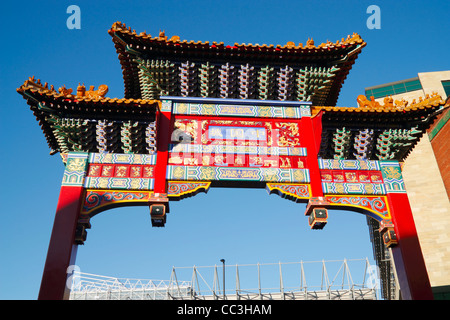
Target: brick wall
(440, 141)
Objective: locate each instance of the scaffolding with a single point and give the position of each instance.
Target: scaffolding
(388, 280)
(261, 281)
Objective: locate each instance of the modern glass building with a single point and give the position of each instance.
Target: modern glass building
(394, 88)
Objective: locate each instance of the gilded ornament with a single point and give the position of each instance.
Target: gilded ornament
(270, 174)
(392, 173)
(285, 163)
(106, 171)
(270, 163)
(135, 184)
(239, 161)
(205, 160)
(351, 177)
(288, 133)
(299, 176)
(264, 112)
(135, 172)
(289, 112)
(207, 173)
(175, 160)
(178, 173)
(121, 171)
(182, 108)
(148, 172)
(94, 170)
(190, 128)
(340, 188)
(75, 164)
(208, 109)
(103, 183)
(190, 161)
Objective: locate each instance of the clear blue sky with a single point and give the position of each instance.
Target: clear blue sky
(242, 226)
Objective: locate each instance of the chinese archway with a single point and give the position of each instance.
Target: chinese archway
(198, 115)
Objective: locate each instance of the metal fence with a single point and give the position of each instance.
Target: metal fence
(353, 279)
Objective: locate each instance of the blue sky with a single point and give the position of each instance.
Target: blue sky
(242, 226)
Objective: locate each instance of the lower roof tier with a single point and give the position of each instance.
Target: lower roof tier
(88, 121)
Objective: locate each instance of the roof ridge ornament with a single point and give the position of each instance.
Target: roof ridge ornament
(162, 35)
(400, 105)
(82, 92)
(91, 93)
(354, 38)
(310, 43)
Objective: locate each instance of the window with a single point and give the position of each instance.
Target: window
(446, 85)
(396, 88)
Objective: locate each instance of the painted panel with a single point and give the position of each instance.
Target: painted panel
(349, 164)
(392, 176)
(122, 158)
(206, 173)
(75, 172)
(237, 150)
(353, 188)
(119, 183)
(351, 176)
(251, 111)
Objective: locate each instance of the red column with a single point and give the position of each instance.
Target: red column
(311, 132)
(62, 248)
(163, 140)
(409, 262)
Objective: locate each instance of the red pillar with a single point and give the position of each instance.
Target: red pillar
(62, 248)
(163, 139)
(409, 262)
(311, 132)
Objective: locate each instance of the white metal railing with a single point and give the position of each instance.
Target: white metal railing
(86, 286)
(261, 281)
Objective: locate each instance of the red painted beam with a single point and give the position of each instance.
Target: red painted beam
(409, 262)
(62, 248)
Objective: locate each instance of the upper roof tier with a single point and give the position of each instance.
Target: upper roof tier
(154, 66)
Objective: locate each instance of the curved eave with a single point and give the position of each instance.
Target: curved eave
(126, 36)
(428, 105)
(418, 115)
(86, 105)
(44, 102)
(126, 41)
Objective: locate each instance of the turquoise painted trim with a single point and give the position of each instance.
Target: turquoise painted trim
(441, 123)
(236, 101)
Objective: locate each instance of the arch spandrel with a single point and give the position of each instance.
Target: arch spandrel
(98, 200)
